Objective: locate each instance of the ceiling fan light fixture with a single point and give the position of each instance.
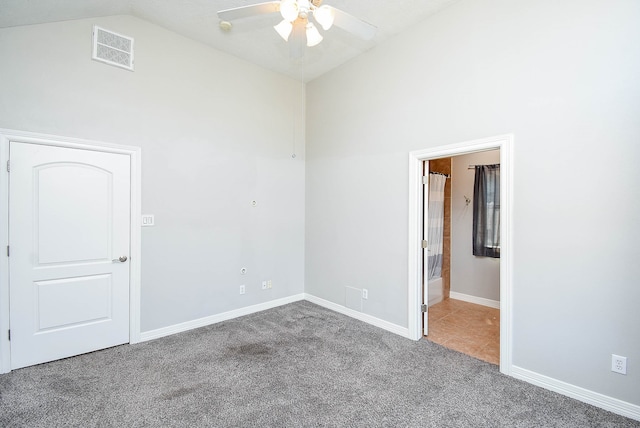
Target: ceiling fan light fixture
(289, 10)
(313, 35)
(297, 27)
(284, 28)
(324, 15)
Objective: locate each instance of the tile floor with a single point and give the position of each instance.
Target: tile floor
(466, 327)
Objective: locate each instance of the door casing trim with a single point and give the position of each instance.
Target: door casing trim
(134, 153)
(504, 143)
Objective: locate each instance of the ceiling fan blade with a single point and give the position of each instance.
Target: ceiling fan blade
(251, 10)
(354, 25)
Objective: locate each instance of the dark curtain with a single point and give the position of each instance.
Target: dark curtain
(486, 211)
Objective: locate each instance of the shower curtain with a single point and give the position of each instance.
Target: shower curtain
(435, 225)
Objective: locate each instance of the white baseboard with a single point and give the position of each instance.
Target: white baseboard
(369, 319)
(473, 299)
(586, 396)
(213, 319)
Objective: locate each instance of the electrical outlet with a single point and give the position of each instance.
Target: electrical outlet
(242, 289)
(269, 284)
(618, 364)
(365, 293)
(264, 285)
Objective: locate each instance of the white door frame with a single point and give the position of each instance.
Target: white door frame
(504, 144)
(134, 153)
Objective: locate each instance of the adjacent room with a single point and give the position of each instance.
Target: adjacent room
(462, 254)
(215, 213)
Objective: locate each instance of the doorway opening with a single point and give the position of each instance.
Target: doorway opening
(418, 298)
(461, 289)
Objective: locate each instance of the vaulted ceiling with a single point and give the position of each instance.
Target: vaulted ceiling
(252, 39)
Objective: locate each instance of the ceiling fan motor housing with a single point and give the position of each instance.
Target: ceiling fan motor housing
(304, 7)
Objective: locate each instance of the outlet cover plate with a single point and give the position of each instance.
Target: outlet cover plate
(618, 364)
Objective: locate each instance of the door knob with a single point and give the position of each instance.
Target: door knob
(121, 259)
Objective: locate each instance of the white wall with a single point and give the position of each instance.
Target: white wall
(561, 76)
(470, 275)
(215, 133)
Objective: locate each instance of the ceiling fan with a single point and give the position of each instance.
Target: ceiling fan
(297, 26)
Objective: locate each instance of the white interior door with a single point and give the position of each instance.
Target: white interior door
(425, 253)
(69, 216)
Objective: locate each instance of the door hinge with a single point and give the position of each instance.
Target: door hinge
(9, 331)
(7, 251)
(424, 243)
(423, 307)
(8, 166)
(425, 179)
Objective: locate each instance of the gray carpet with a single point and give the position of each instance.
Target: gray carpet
(296, 365)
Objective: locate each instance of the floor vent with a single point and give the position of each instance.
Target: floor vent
(112, 48)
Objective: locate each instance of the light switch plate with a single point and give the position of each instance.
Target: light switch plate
(148, 220)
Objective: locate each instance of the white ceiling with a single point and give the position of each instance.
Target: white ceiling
(252, 39)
